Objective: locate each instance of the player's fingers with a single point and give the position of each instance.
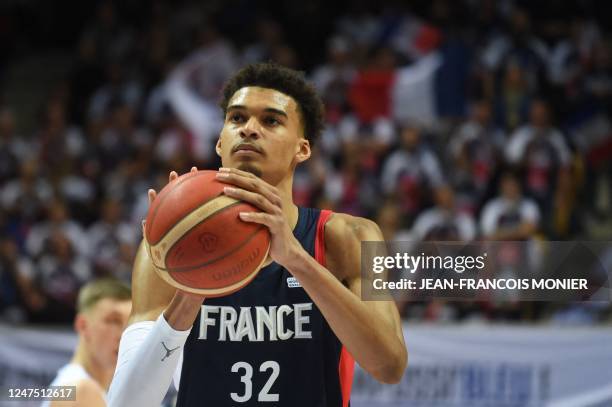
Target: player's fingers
(250, 183)
(152, 195)
(173, 175)
(256, 199)
(194, 169)
(257, 217)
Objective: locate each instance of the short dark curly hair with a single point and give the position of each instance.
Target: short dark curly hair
(288, 81)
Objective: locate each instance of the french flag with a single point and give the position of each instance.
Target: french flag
(433, 86)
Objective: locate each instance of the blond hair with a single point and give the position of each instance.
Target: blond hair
(94, 291)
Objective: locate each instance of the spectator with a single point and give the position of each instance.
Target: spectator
(598, 80)
(517, 44)
(121, 138)
(112, 242)
(58, 221)
(349, 189)
(541, 151)
(510, 216)
(19, 298)
(390, 221)
(25, 199)
(332, 79)
(508, 219)
(409, 173)
(475, 150)
(119, 89)
(61, 144)
(59, 272)
(512, 97)
(370, 92)
(443, 222)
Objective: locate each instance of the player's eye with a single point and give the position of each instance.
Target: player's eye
(236, 118)
(271, 121)
(113, 321)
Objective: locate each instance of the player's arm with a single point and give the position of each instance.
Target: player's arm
(371, 331)
(151, 296)
(88, 394)
(161, 319)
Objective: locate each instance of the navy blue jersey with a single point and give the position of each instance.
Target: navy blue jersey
(267, 344)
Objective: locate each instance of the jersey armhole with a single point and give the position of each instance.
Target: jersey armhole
(319, 249)
(346, 364)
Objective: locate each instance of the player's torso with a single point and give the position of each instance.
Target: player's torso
(265, 345)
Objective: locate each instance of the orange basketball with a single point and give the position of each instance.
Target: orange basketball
(196, 240)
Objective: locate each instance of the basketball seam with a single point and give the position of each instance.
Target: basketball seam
(194, 209)
(189, 268)
(216, 292)
(163, 198)
(199, 215)
(197, 224)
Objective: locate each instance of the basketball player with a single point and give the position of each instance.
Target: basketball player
(291, 336)
(103, 310)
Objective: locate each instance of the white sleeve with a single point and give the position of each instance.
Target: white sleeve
(489, 217)
(148, 356)
(563, 151)
(391, 168)
(517, 143)
(431, 167)
(530, 212)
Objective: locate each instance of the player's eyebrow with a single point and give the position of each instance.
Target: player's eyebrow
(267, 109)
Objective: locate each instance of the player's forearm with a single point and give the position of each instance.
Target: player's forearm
(148, 356)
(183, 310)
(371, 338)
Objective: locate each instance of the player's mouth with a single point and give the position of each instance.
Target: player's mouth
(247, 149)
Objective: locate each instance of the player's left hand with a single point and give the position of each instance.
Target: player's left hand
(249, 188)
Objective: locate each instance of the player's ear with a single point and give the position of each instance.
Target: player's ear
(218, 146)
(303, 150)
(80, 323)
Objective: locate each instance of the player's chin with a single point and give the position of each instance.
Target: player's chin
(249, 166)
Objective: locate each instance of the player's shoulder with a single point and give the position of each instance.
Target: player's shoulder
(344, 227)
(88, 385)
(343, 236)
(88, 393)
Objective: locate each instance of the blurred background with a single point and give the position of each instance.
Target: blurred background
(446, 120)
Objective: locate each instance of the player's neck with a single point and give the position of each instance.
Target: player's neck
(100, 374)
(290, 209)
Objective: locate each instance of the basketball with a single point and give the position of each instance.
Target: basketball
(197, 242)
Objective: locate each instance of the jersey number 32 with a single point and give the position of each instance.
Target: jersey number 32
(264, 394)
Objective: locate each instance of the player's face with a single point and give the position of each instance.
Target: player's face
(263, 134)
(105, 323)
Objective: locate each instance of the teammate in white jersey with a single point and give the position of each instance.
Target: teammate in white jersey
(103, 310)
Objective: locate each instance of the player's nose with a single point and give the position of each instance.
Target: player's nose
(251, 129)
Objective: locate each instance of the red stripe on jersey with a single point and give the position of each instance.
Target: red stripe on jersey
(320, 237)
(346, 366)
(345, 370)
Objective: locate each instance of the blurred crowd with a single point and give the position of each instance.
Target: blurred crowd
(467, 120)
